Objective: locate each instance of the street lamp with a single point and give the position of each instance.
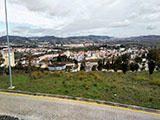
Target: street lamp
(9, 57)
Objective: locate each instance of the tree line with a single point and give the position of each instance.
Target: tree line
(125, 63)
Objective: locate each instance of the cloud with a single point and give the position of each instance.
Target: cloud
(151, 27)
(124, 23)
(68, 17)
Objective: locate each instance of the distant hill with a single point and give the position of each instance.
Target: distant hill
(80, 39)
(15, 39)
(149, 38)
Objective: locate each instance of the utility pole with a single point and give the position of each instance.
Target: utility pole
(9, 57)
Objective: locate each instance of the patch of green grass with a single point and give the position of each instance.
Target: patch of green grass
(132, 88)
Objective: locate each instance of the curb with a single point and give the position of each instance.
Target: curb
(84, 100)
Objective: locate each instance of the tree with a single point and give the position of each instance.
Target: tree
(136, 67)
(138, 59)
(29, 68)
(153, 57)
(151, 66)
(19, 65)
(116, 65)
(59, 59)
(94, 68)
(124, 67)
(143, 66)
(123, 62)
(100, 65)
(76, 62)
(132, 67)
(108, 65)
(1, 63)
(83, 65)
(158, 66)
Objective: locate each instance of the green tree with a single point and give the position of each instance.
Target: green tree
(158, 65)
(132, 66)
(116, 65)
(76, 62)
(1, 61)
(122, 62)
(83, 65)
(143, 66)
(2, 69)
(59, 59)
(136, 67)
(138, 59)
(100, 65)
(108, 65)
(94, 68)
(153, 57)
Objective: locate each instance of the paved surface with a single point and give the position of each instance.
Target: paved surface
(4, 117)
(30, 108)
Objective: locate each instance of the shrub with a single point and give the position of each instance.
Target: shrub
(82, 77)
(140, 78)
(57, 73)
(96, 75)
(36, 75)
(87, 87)
(47, 72)
(155, 82)
(69, 76)
(94, 68)
(82, 72)
(91, 73)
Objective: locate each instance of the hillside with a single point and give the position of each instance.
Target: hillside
(81, 39)
(132, 88)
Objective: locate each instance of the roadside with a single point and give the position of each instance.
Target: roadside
(137, 88)
(32, 107)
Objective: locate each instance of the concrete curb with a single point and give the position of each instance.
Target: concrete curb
(85, 100)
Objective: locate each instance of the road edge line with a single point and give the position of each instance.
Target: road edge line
(84, 101)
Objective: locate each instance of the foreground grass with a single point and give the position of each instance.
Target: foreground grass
(133, 88)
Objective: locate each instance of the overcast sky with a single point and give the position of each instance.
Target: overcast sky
(118, 18)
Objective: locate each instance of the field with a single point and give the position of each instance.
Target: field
(131, 88)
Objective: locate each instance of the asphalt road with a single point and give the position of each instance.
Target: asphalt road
(30, 108)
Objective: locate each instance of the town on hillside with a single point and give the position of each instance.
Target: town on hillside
(76, 57)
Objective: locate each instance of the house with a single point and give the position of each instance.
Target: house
(58, 67)
(6, 58)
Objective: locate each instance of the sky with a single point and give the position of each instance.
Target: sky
(63, 18)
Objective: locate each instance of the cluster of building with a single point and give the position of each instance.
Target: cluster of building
(43, 59)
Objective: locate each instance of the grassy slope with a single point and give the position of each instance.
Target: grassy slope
(133, 88)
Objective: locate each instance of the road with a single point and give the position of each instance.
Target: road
(41, 108)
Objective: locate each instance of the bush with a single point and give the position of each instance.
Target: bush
(94, 68)
(155, 82)
(36, 75)
(56, 73)
(69, 76)
(96, 75)
(82, 72)
(82, 77)
(140, 78)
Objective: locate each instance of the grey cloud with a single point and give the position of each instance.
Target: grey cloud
(20, 29)
(151, 27)
(23, 30)
(2, 33)
(124, 23)
(91, 16)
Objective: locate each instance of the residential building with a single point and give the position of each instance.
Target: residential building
(6, 58)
